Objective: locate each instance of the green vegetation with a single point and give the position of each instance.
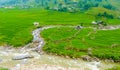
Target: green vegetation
(16, 25)
(63, 5)
(105, 15)
(68, 41)
(3, 69)
(114, 68)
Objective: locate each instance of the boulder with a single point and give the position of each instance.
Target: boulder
(22, 56)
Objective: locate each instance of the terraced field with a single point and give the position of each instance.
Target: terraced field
(16, 25)
(69, 41)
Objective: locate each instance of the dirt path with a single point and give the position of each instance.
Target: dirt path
(44, 61)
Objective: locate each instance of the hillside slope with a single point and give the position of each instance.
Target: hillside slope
(63, 4)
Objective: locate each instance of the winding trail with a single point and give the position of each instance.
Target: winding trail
(39, 42)
(44, 61)
(38, 39)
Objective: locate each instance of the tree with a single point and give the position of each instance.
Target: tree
(105, 14)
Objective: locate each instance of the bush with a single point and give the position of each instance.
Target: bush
(105, 14)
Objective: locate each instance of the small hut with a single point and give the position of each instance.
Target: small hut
(78, 27)
(94, 22)
(98, 23)
(36, 23)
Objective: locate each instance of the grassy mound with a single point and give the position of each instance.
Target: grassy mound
(68, 41)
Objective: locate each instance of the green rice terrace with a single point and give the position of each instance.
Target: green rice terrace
(19, 23)
(59, 35)
(68, 41)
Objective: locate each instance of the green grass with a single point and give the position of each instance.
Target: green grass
(3, 69)
(63, 41)
(114, 68)
(16, 25)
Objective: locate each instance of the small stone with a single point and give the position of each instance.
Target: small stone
(67, 56)
(89, 49)
(96, 59)
(24, 61)
(17, 67)
(90, 53)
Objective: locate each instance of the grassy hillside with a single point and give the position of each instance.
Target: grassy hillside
(63, 4)
(115, 3)
(68, 41)
(97, 10)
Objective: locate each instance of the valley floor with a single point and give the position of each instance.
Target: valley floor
(45, 61)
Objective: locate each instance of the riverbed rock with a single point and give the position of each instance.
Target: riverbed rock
(17, 67)
(24, 61)
(89, 59)
(94, 65)
(118, 61)
(22, 56)
(95, 59)
(86, 58)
